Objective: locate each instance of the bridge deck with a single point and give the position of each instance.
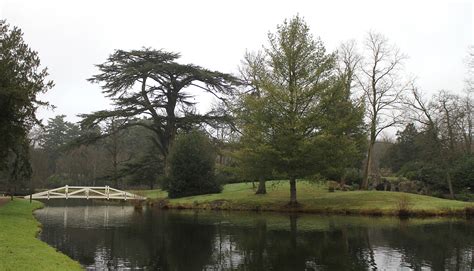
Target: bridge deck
(85, 192)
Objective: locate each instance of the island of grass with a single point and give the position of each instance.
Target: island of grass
(19, 247)
(314, 198)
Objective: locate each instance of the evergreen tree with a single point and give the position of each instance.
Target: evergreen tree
(21, 80)
(405, 150)
(57, 134)
(151, 83)
(342, 140)
(284, 115)
(192, 162)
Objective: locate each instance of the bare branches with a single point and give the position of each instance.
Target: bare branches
(470, 70)
(382, 87)
(416, 109)
(380, 80)
(348, 62)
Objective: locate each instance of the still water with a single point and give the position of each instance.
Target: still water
(116, 237)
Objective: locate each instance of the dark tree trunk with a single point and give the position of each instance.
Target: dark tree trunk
(166, 165)
(293, 202)
(450, 185)
(260, 251)
(12, 192)
(293, 229)
(262, 188)
(368, 162)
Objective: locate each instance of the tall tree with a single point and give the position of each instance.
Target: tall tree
(446, 126)
(382, 86)
(470, 69)
(151, 83)
(342, 137)
(255, 158)
(348, 63)
(21, 80)
(404, 150)
(57, 133)
(296, 70)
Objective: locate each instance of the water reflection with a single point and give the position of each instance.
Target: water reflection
(117, 237)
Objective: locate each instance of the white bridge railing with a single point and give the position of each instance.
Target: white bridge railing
(85, 192)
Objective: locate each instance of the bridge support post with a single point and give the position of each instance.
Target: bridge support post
(67, 194)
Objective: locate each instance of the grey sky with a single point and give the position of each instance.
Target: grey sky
(72, 36)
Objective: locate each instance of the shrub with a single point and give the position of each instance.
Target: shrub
(463, 173)
(403, 206)
(465, 196)
(352, 176)
(192, 161)
(429, 174)
(226, 175)
(332, 186)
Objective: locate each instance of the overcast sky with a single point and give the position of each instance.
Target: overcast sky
(72, 36)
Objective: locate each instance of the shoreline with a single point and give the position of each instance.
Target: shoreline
(19, 238)
(466, 213)
(314, 199)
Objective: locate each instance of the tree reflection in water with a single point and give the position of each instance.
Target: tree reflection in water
(117, 237)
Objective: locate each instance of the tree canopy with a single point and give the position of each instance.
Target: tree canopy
(150, 83)
(287, 117)
(21, 80)
(192, 163)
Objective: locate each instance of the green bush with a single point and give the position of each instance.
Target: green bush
(192, 162)
(226, 175)
(463, 173)
(465, 196)
(427, 173)
(352, 176)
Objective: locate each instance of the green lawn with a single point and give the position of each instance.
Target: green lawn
(313, 198)
(19, 247)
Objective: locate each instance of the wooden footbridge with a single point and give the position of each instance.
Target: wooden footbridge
(85, 192)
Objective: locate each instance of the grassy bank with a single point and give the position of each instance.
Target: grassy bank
(19, 247)
(313, 198)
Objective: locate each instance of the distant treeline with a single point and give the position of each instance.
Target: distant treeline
(295, 111)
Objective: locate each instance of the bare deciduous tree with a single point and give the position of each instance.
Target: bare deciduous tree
(447, 120)
(470, 69)
(382, 87)
(348, 62)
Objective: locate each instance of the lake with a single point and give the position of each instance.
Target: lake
(116, 237)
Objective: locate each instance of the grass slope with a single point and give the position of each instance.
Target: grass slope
(313, 198)
(19, 247)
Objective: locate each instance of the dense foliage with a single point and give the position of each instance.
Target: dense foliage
(151, 83)
(21, 80)
(191, 161)
(437, 148)
(299, 110)
(63, 153)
